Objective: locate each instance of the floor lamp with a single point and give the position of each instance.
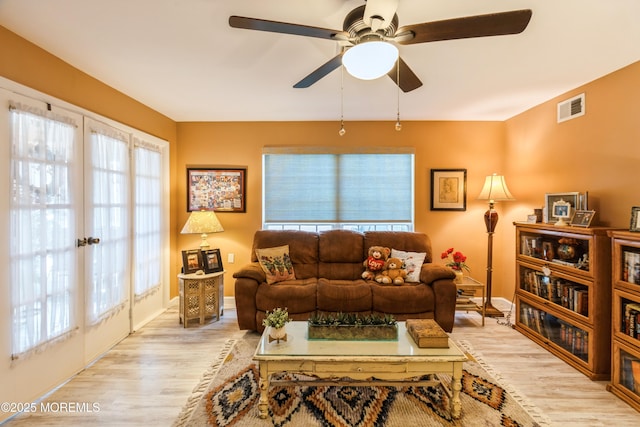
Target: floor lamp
(494, 190)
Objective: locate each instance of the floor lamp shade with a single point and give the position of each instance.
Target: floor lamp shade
(203, 223)
(495, 189)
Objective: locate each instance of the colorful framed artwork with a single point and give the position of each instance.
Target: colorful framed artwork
(448, 189)
(216, 189)
(212, 261)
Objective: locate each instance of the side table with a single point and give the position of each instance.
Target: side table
(200, 296)
(466, 290)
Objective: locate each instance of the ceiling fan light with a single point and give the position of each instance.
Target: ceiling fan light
(370, 60)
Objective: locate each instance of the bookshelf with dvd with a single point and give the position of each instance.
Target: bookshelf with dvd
(563, 293)
(625, 365)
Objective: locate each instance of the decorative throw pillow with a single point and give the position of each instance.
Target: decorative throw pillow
(412, 263)
(276, 263)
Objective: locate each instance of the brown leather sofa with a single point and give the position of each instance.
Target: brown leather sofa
(328, 266)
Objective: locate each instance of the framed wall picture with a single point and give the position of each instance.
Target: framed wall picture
(191, 261)
(635, 219)
(448, 189)
(212, 261)
(216, 189)
(582, 218)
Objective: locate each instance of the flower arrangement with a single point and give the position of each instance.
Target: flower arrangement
(277, 318)
(456, 260)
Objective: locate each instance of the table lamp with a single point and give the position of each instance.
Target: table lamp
(202, 222)
(494, 190)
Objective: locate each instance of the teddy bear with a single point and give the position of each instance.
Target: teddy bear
(393, 272)
(375, 262)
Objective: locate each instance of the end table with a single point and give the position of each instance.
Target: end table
(466, 290)
(200, 296)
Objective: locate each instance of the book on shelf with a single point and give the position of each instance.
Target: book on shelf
(631, 269)
(427, 333)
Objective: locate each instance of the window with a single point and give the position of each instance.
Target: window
(322, 190)
(42, 216)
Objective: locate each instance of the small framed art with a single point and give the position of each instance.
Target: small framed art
(191, 261)
(448, 189)
(216, 189)
(212, 261)
(582, 218)
(635, 219)
(561, 211)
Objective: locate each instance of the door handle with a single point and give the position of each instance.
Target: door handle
(93, 240)
(82, 242)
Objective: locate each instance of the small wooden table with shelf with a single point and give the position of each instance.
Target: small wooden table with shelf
(467, 290)
(200, 296)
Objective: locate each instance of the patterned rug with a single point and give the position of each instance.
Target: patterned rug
(228, 395)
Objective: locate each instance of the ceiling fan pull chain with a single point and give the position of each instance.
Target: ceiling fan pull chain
(342, 130)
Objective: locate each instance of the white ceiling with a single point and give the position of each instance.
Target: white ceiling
(181, 58)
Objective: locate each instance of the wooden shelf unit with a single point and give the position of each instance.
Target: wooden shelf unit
(565, 304)
(625, 357)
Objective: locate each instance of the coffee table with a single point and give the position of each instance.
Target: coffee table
(395, 362)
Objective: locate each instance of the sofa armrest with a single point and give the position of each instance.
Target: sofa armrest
(251, 271)
(431, 272)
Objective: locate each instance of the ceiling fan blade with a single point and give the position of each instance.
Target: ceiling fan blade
(493, 24)
(285, 28)
(320, 72)
(408, 80)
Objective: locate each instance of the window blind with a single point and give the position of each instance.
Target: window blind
(338, 187)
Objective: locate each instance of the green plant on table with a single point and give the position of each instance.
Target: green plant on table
(277, 318)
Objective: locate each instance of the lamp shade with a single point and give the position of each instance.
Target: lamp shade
(495, 189)
(370, 60)
(202, 222)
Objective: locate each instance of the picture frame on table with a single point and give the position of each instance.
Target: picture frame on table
(217, 189)
(212, 261)
(191, 261)
(576, 199)
(582, 218)
(448, 189)
(561, 211)
(635, 219)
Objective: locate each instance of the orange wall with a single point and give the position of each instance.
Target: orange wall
(27, 64)
(598, 152)
(468, 145)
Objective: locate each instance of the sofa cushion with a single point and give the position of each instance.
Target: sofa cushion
(340, 254)
(276, 263)
(348, 296)
(412, 263)
(406, 298)
(303, 248)
(297, 296)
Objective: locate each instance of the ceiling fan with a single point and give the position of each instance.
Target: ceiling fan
(377, 21)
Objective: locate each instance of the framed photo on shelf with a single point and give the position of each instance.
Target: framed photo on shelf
(212, 261)
(191, 261)
(582, 218)
(577, 200)
(448, 189)
(216, 189)
(635, 219)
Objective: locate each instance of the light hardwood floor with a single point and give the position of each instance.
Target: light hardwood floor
(146, 379)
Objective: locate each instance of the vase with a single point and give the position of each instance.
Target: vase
(459, 277)
(277, 334)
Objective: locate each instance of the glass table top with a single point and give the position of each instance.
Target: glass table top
(298, 345)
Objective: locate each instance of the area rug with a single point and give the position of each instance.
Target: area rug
(228, 395)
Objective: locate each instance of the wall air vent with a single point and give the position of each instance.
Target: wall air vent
(571, 108)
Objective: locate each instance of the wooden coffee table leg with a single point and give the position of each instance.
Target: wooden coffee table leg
(263, 405)
(456, 386)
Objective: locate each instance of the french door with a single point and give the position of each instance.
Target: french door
(84, 252)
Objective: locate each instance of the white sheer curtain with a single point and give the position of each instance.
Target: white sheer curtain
(42, 229)
(147, 219)
(109, 213)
